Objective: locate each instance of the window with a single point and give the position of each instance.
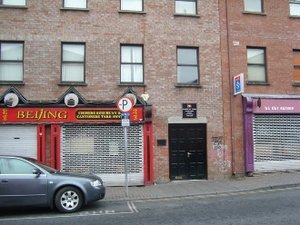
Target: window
(186, 7)
(256, 65)
(15, 166)
(295, 7)
(81, 4)
(132, 68)
(73, 62)
(187, 66)
(11, 61)
(132, 5)
(253, 6)
(13, 2)
(296, 62)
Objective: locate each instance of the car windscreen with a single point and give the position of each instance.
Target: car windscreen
(45, 167)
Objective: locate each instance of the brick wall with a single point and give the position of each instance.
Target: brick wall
(278, 33)
(43, 26)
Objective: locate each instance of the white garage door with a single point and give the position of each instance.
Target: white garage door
(276, 142)
(18, 140)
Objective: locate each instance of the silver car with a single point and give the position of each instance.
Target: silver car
(26, 182)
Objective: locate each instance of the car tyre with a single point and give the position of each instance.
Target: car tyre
(68, 199)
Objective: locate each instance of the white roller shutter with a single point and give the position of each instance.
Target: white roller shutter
(99, 149)
(276, 142)
(18, 140)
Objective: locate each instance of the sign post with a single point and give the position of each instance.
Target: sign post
(125, 105)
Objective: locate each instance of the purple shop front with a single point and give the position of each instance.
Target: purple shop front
(271, 132)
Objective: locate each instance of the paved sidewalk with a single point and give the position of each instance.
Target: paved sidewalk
(206, 187)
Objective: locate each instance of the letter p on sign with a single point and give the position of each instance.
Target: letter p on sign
(124, 104)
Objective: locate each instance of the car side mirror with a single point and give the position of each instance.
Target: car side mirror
(37, 172)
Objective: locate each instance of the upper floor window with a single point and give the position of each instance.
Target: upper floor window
(255, 6)
(11, 61)
(295, 7)
(188, 7)
(73, 62)
(256, 59)
(13, 2)
(132, 5)
(80, 4)
(132, 68)
(187, 66)
(296, 62)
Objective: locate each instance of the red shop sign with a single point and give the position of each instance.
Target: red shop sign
(65, 115)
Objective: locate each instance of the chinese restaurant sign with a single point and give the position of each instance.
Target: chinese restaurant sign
(65, 115)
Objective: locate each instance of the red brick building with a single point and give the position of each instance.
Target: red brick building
(260, 39)
(64, 64)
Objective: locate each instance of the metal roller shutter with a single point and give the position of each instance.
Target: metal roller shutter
(276, 142)
(99, 149)
(18, 140)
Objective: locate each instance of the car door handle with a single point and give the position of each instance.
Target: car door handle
(4, 181)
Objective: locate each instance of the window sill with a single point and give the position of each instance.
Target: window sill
(12, 83)
(254, 13)
(72, 84)
(186, 15)
(294, 17)
(14, 6)
(131, 12)
(132, 85)
(75, 9)
(296, 84)
(188, 86)
(258, 83)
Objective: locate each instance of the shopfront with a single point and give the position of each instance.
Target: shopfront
(272, 133)
(82, 137)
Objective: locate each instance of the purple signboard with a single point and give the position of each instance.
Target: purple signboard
(276, 106)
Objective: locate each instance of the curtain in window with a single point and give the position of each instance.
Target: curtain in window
(131, 64)
(185, 7)
(75, 3)
(73, 63)
(11, 66)
(295, 8)
(256, 65)
(253, 5)
(14, 2)
(132, 5)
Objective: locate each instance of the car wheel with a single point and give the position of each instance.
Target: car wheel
(68, 199)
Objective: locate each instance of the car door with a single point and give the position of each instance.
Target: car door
(19, 185)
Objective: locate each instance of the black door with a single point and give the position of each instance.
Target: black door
(187, 146)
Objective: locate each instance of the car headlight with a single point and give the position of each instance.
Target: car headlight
(96, 183)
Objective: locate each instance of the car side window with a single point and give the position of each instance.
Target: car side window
(16, 166)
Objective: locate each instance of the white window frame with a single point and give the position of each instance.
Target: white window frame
(294, 8)
(75, 4)
(186, 7)
(11, 62)
(258, 6)
(71, 60)
(132, 64)
(188, 70)
(12, 2)
(132, 5)
(255, 63)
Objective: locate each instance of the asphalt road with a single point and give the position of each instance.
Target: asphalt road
(276, 207)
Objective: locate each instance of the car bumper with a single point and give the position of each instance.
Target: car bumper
(95, 194)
